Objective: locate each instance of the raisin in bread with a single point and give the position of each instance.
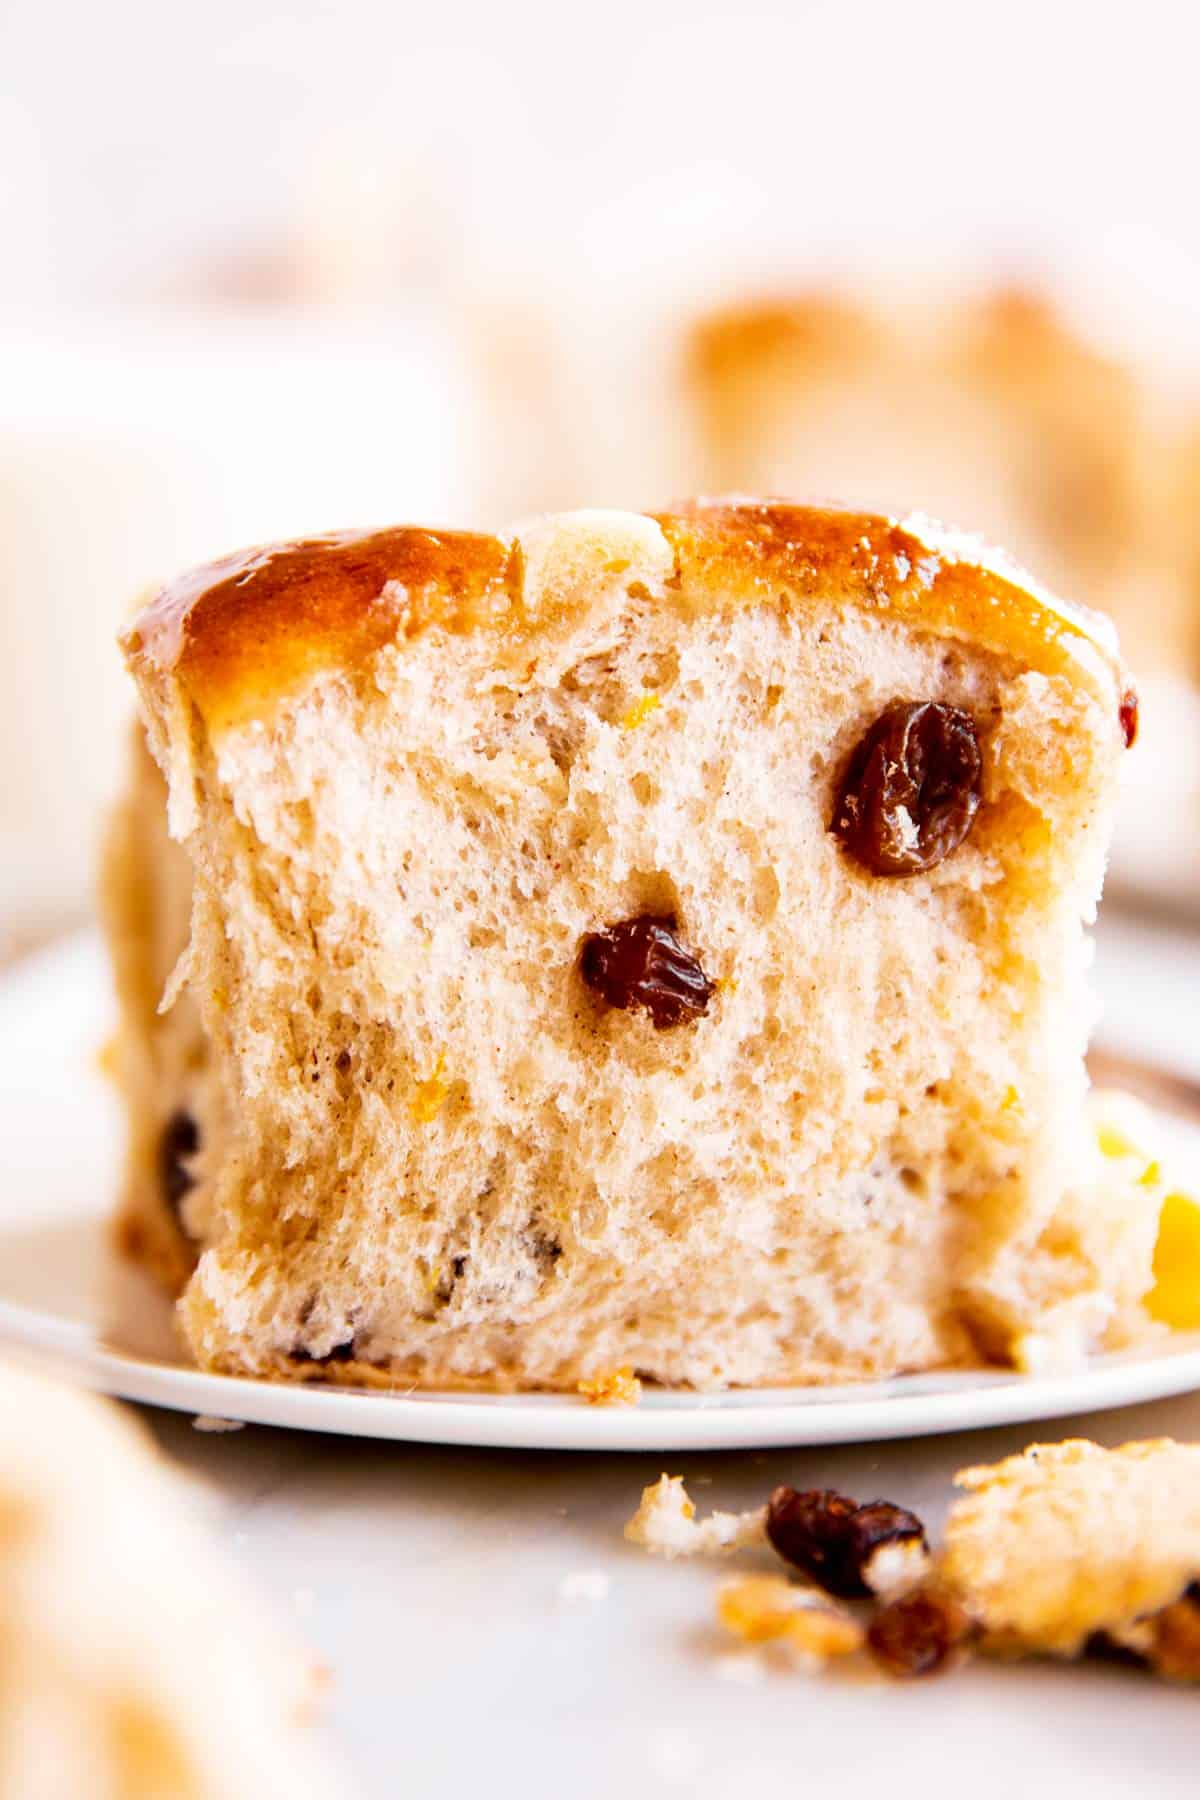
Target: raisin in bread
(651, 941)
(132, 1664)
(991, 409)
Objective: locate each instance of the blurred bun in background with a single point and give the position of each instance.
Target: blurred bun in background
(135, 1665)
(991, 408)
(271, 271)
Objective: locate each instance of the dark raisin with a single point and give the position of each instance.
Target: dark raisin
(1176, 1652)
(1103, 1648)
(339, 1354)
(180, 1139)
(640, 962)
(1128, 713)
(911, 788)
(831, 1538)
(919, 1634)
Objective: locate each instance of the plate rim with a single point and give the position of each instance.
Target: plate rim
(743, 1418)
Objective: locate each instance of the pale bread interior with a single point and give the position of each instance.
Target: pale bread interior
(429, 1154)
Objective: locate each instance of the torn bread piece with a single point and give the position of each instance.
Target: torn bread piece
(1067, 1543)
(612, 1387)
(1065, 1550)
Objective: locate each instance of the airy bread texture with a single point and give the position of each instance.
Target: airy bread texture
(412, 772)
(132, 1664)
(990, 408)
(1070, 1539)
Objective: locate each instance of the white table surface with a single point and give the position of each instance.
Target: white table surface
(431, 1582)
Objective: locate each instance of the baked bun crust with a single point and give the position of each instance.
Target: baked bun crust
(242, 632)
(574, 986)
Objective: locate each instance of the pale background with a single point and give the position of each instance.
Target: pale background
(137, 139)
(254, 257)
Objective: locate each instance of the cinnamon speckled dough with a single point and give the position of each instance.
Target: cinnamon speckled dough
(1070, 1539)
(132, 1664)
(412, 771)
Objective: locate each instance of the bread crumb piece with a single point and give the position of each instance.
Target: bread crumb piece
(615, 1387)
(1069, 1541)
(210, 1422)
(1065, 1550)
(897, 1568)
(762, 1608)
(665, 1523)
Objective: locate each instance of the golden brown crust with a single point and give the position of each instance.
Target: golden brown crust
(913, 569)
(1071, 449)
(241, 633)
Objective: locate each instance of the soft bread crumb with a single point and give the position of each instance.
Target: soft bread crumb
(1068, 1540)
(616, 1387)
(897, 1568)
(763, 1608)
(666, 1524)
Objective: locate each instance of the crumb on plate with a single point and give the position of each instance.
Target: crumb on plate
(665, 1523)
(615, 1387)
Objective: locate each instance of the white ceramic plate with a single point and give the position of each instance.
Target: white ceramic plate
(64, 1298)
